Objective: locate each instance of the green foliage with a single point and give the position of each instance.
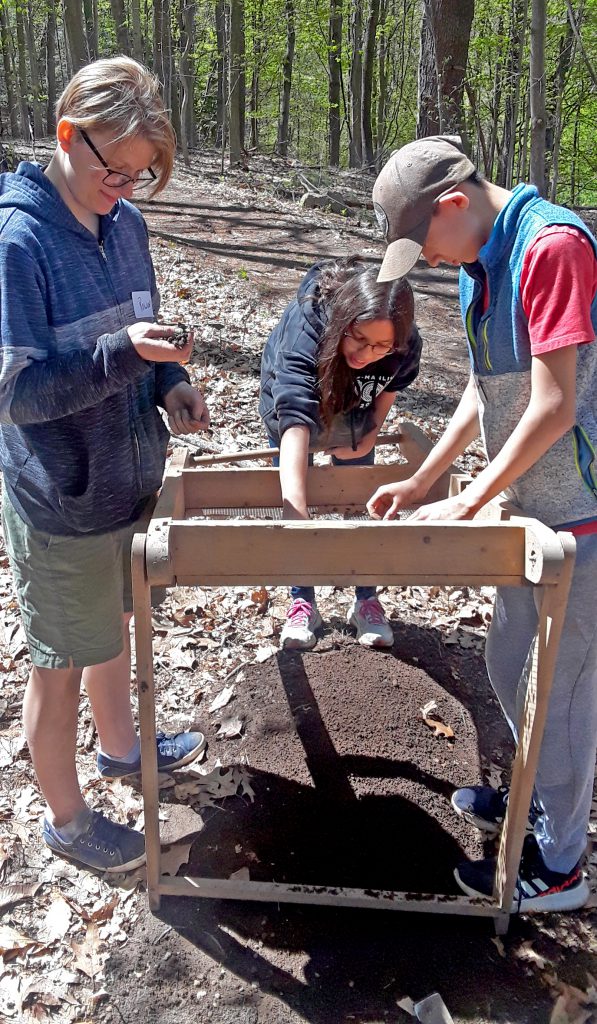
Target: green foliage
(495, 98)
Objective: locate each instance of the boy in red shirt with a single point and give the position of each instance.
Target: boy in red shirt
(528, 291)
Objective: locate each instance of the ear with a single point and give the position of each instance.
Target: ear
(453, 200)
(65, 131)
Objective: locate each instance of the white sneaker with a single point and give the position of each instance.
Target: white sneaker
(302, 619)
(368, 618)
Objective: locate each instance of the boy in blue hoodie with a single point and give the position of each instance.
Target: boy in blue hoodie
(82, 443)
(528, 290)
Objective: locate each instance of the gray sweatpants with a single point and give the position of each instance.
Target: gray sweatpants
(564, 783)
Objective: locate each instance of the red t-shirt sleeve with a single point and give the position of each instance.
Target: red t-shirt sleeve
(557, 286)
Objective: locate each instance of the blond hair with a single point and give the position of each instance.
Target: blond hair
(120, 95)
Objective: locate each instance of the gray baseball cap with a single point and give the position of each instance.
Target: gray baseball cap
(405, 192)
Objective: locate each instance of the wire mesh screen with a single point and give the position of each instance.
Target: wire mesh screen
(275, 513)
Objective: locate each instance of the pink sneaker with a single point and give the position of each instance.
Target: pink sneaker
(368, 618)
(302, 620)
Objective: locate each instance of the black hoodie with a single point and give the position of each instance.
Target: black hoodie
(289, 382)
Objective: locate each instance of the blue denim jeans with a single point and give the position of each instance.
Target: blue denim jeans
(308, 593)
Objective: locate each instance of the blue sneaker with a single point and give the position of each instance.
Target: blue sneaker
(485, 807)
(173, 751)
(537, 888)
(103, 845)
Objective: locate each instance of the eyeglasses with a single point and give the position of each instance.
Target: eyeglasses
(376, 350)
(116, 179)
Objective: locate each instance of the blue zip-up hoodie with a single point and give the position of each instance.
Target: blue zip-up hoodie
(289, 381)
(82, 443)
(561, 488)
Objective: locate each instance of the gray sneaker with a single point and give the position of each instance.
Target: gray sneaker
(103, 845)
(368, 618)
(302, 622)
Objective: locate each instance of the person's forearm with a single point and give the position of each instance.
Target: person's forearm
(168, 376)
(294, 459)
(462, 429)
(70, 383)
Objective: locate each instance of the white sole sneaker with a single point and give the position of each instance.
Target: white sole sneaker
(301, 638)
(371, 639)
(573, 898)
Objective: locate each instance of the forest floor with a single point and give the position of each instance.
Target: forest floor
(319, 767)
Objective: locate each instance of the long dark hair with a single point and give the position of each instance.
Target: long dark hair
(348, 291)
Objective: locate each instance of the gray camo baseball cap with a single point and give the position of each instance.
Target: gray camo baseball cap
(405, 192)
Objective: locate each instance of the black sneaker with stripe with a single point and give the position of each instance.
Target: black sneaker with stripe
(485, 807)
(537, 888)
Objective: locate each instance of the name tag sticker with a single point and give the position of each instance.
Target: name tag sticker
(142, 305)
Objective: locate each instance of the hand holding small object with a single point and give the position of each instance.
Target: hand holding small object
(162, 343)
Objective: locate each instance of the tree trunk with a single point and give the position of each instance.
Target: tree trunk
(26, 126)
(356, 84)
(472, 99)
(367, 91)
(284, 118)
(11, 94)
(495, 104)
(167, 53)
(573, 169)
(450, 22)
(538, 107)
(34, 72)
(158, 39)
(91, 28)
(222, 70)
(50, 67)
(334, 76)
(236, 111)
(172, 52)
(122, 32)
(565, 61)
(427, 86)
(258, 48)
(187, 77)
(382, 90)
(242, 77)
(136, 33)
(517, 33)
(73, 21)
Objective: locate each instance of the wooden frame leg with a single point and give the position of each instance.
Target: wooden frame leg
(552, 611)
(146, 691)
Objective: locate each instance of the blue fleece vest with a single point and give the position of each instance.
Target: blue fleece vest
(561, 488)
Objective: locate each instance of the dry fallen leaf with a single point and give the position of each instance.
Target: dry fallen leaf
(13, 893)
(439, 729)
(229, 729)
(243, 874)
(11, 746)
(261, 599)
(57, 920)
(86, 957)
(526, 952)
(263, 653)
(221, 699)
(566, 1013)
(13, 942)
(173, 857)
